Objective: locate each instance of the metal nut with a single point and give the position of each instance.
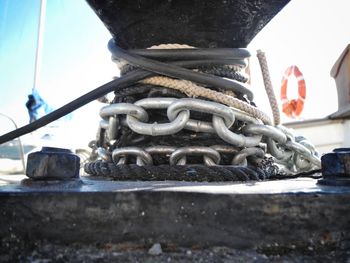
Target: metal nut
(53, 163)
(336, 168)
(336, 163)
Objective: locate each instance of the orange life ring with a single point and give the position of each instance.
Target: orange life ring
(294, 107)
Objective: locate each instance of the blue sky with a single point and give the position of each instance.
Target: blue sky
(17, 47)
(75, 58)
(310, 34)
(73, 35)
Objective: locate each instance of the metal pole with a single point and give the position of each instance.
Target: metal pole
(38, 55)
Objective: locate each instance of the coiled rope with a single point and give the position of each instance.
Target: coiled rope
(194, 90)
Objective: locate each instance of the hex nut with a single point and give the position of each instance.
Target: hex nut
(336, 163)
(336, 168)
(53, 164)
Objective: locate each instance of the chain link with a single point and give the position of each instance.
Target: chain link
(233, 138)
(210, 156)
(120, 156)
(294, 153)
(178, 156)
(241, 157)
(124, 108)
(154, 129)
(216, 109)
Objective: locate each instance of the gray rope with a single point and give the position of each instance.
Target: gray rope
(198, 173)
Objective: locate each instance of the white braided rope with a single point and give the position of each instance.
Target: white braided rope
(170, 46)
(193, 90)
(268, 87)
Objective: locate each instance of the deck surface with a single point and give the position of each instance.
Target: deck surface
(286, 215)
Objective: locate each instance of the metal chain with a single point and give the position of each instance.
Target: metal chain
(179, 156)
(144, 122)
(296, 155)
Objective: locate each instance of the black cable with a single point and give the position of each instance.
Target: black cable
(192, 53)
(152, 67)
(210, 62)
(75, 104)
(191, 64)
(174, 71)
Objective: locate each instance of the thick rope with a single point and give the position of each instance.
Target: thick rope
(226, 72)
(197, 173)
(268, 87)
(193, 90)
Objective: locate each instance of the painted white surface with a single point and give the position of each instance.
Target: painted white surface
(324, 134)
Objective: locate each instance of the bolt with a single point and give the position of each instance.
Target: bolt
(336, 167)
(53, 163)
